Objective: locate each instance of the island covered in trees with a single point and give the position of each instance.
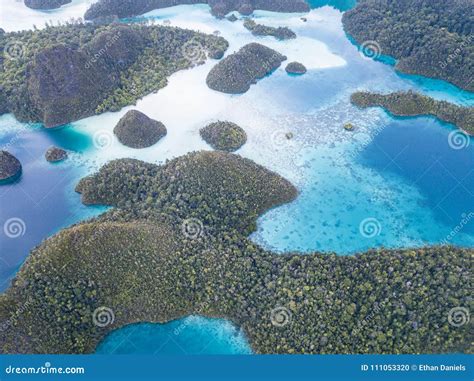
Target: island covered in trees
(430, 38)
(414, 104)
(175, 244)
(70, 72)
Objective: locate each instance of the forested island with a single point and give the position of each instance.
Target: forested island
(46, 4)
(66, 73)
(430, 38)
(238, 71)
(137, 130)
(126, 8)
(175, 244)
(281, 33)
(224, 136)
(414, 104)
(10, 167)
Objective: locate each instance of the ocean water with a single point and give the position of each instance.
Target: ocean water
(393, 182)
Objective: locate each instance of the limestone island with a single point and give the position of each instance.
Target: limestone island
(10, 167)
(78, 70)
(349, 127)
(232, 18)
(224, 136)
(219, 8)
(55, 154)
(175, 243)
(414, 104)
(238, 71)
(46, 4)
(296, 68)
(281, 33)
(439, 48)
(136, 130)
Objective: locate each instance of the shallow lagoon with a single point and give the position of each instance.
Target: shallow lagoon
(393, 182)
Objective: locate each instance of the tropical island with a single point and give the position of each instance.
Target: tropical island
(175, 244)
(414, 104)
(280, 33)
(296, 68)
(136, 130)
(46, 4)
(55, 154)
(224, 136)
(10, 167)
(430, 38)
(219, 8)
(70, 72)
(238, 71)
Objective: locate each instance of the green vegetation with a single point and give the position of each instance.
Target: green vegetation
(126, 8)
(55, 154)
(69, 72)
(46, 4)
(414, 104)
(175, 244)
(238, 71)
(10, 167)
(431, 38)
(281, 33)
(136, 130)
(296, 68)
(224, 136)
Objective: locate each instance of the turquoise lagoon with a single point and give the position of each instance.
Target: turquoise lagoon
(393, 182)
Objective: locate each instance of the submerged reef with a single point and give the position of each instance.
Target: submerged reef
(224, 136)
(10, 167)
(136, 130)
(220, 8)
(281, 33)
(175, 243)
(414, 104)
(65, 73)
(238, 71)
(430, 38)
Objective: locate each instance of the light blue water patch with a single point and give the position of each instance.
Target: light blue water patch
(342, 5)
(192, 335)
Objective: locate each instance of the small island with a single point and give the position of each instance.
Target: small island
(46, 4)
(55, 154)
(136, 130)
(10, 167)
(237, 72)
(296, 68)
(414, 104)
(280, 33)
(349, 127)
(224, 136)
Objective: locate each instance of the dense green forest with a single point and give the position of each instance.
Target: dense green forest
(224, 136)
(64, 73)
(175, 244)
(414, 104)
(281, 33)
(129, 8)
(431, 38)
